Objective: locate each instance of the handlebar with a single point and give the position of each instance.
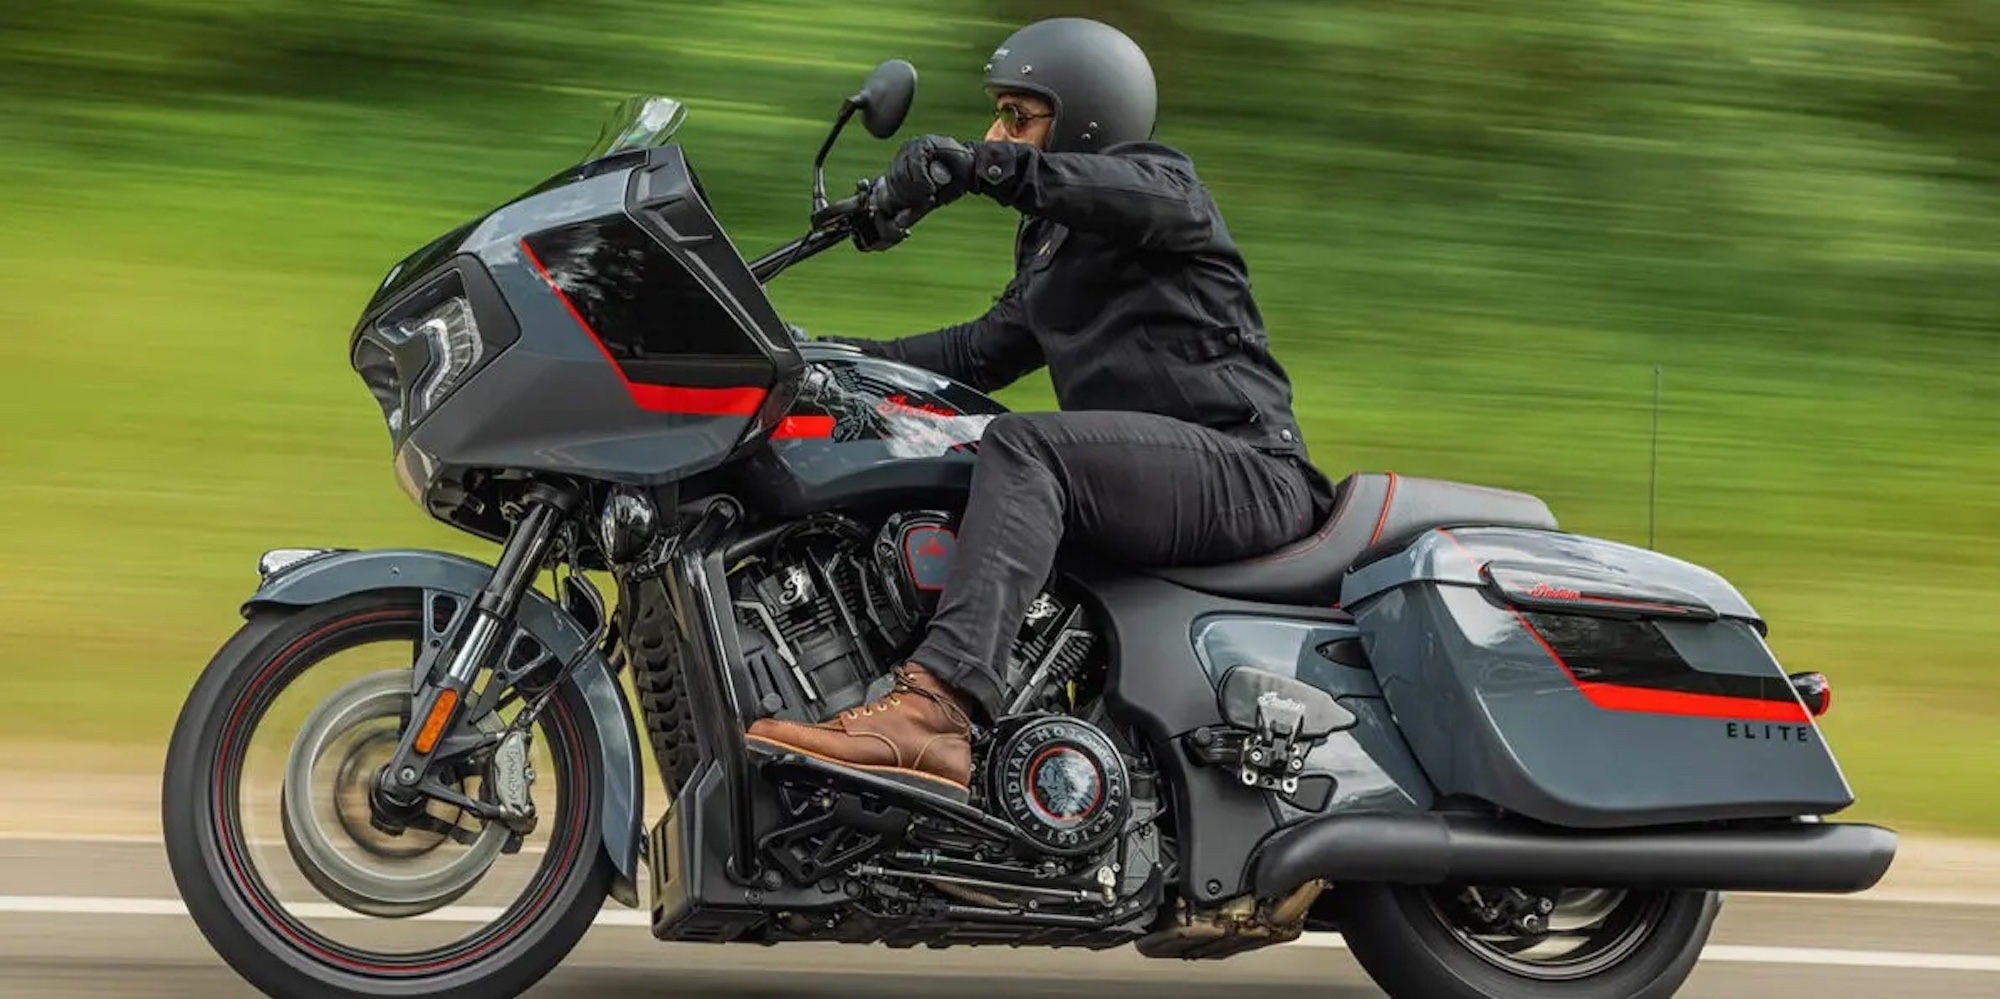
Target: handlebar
(839, 219)
(867, 201)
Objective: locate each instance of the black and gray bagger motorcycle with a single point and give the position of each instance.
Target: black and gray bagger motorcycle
(1503, 760)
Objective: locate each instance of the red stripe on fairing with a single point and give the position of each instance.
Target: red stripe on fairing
(1646, 700)
(659, 398)
(695, 401)
(804, 427)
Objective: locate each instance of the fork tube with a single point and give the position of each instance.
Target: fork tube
(520, 562)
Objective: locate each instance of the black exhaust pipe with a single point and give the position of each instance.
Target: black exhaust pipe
(1429, 849)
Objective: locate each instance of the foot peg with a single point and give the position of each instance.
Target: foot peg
(786, 759)
(800, 773)
(1273, 723)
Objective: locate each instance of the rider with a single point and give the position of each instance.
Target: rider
(1176, 442)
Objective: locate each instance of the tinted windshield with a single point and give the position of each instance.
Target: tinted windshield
(637, 123)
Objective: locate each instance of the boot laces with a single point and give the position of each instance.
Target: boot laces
(903, 685)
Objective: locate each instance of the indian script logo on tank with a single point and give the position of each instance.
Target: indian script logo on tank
(922, 429)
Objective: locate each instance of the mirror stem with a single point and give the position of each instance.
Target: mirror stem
(847, 109)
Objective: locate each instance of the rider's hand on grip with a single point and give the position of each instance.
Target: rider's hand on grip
(875, 225)
(929, 171)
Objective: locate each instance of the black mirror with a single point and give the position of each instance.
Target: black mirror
(884, 101)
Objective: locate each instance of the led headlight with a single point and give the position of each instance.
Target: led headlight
(415, 356)
(455, 348)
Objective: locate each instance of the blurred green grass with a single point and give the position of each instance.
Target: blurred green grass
(177, 286)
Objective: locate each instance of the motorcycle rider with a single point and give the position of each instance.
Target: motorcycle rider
(1175, 442)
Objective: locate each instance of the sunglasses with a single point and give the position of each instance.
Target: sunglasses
(1016, 119)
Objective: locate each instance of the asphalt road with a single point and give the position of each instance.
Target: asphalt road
(101, 919)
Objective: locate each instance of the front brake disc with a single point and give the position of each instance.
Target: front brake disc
(370, 890)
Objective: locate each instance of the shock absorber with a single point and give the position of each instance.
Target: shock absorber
(438, 700)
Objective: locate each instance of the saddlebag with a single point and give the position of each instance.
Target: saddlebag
(1587, 683)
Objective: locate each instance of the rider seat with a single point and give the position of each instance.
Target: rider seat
(1373, 513)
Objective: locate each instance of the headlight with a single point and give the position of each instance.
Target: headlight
(415, 355)
(455, 347)
(626, 525)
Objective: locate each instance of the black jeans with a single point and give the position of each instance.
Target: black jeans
(1135, 488)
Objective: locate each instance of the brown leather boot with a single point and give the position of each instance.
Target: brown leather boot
(918, 735)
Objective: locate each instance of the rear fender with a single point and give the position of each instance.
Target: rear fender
(301, 577)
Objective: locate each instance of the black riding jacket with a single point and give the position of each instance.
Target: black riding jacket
(1128, 287)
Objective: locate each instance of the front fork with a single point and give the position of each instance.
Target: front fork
(694, 564)
(441, 699)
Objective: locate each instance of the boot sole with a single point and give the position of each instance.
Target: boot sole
(916, 780)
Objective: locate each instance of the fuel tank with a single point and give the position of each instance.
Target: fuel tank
(869, 433)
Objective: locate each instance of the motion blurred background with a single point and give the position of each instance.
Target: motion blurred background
(1476, 228)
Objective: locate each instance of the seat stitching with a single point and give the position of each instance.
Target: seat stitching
(1382, 521)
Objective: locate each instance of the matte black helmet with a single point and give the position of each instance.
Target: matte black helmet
(1096, 77)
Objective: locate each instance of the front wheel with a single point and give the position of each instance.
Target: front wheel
(1501, 943)
(422, 905)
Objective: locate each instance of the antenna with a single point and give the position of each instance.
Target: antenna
(1653, 474)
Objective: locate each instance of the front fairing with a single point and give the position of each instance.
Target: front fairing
(439, 315)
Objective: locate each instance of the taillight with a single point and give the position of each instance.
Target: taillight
(1814, 690)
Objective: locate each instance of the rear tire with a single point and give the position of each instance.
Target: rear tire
(239, 914)
(1407, 944)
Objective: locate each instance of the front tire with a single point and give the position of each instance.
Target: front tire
(1412, 943)
(241, 915)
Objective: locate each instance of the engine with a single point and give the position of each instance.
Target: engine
(825, 611)
(828, 609)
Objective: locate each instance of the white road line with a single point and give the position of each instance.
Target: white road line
(54, 905)
(64, 905)
(64, 839)
(133, 839)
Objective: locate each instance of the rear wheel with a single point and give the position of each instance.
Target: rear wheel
(449, 906)
(1499, 943)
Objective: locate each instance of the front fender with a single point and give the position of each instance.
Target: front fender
(300, 577)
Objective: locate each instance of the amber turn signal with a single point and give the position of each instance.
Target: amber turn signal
(434, 722)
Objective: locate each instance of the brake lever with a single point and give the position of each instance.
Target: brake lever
(843, 210)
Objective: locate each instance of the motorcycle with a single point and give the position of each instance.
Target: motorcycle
(1502, 759)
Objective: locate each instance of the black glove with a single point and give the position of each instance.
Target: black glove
(930, 170)
(875, 232)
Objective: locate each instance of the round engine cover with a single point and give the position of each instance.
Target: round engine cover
(1060, 781)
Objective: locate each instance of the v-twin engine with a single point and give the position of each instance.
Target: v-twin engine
(1061, 839)
(827, 610)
